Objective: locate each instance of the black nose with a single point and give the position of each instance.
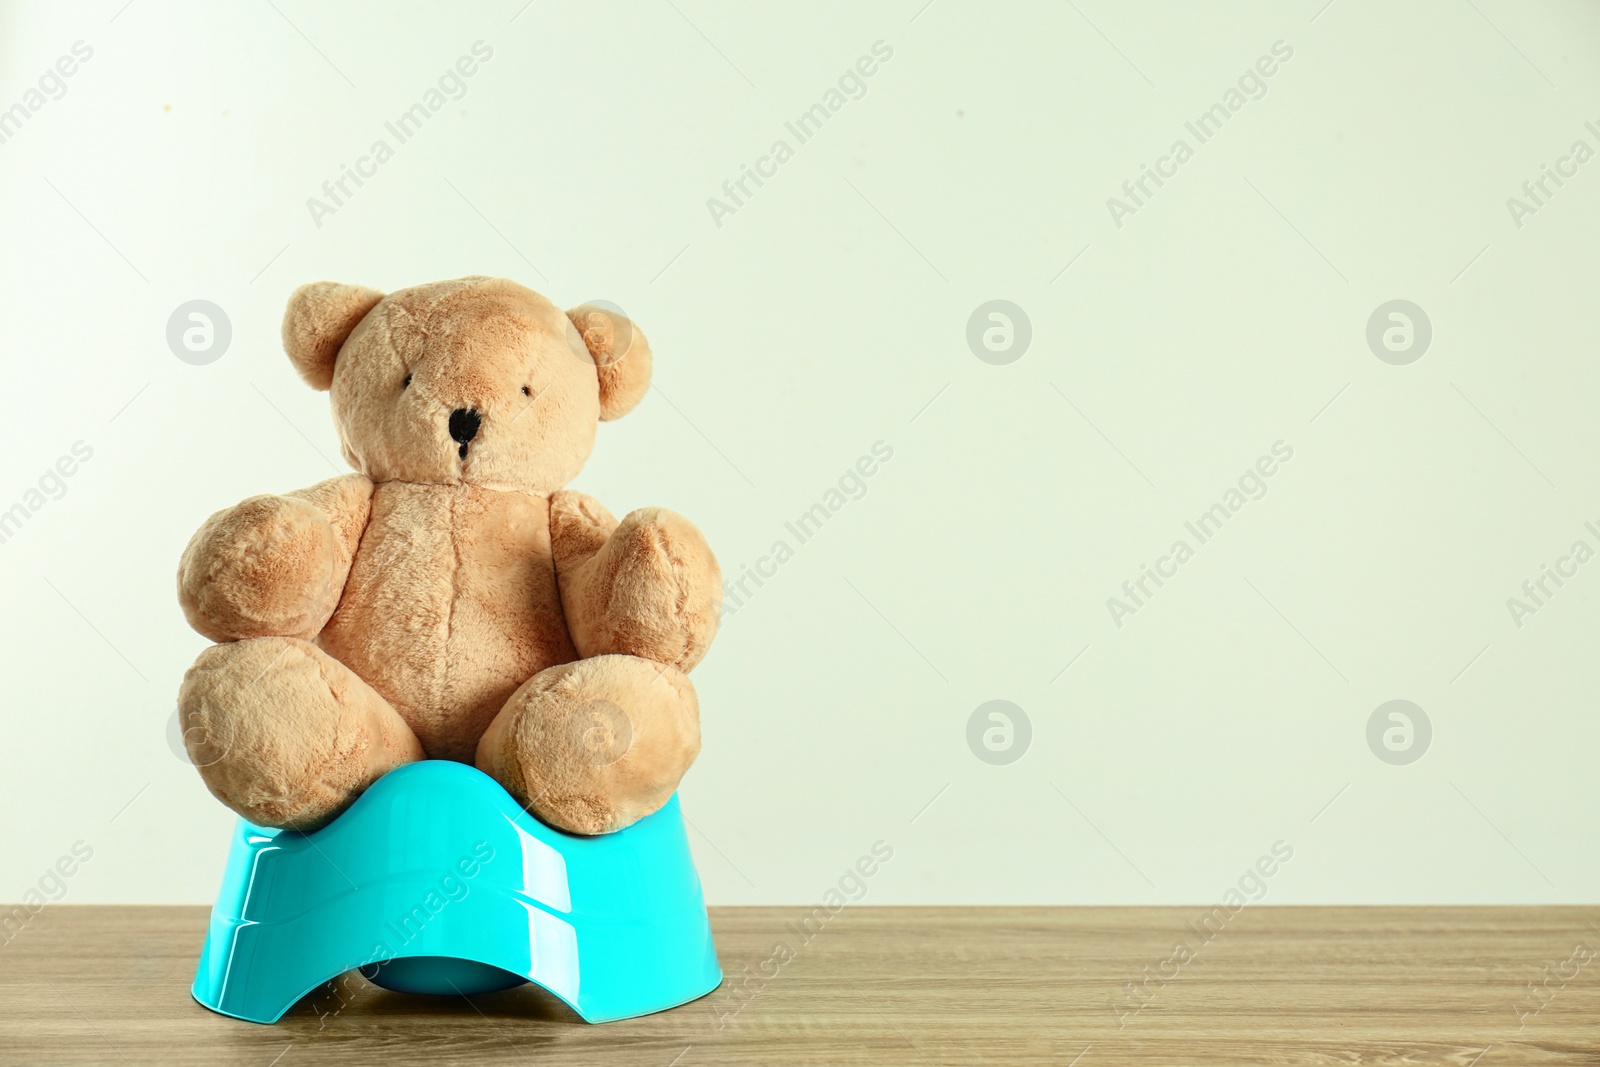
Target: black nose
(464, 424)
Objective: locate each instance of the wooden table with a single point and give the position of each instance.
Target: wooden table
(109, 985)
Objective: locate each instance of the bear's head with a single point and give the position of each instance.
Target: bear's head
(477, 381)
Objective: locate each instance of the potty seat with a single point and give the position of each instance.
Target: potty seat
(436, 881)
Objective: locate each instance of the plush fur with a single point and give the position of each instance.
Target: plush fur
(452, 600)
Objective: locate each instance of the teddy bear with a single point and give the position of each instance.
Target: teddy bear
(451, 599)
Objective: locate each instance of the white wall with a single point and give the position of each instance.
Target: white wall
(829, 312)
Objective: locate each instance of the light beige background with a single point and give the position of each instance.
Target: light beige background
(830, 312)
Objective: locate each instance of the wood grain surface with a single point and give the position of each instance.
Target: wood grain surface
(929, 986)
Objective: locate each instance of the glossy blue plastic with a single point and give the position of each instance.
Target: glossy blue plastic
(436, 881)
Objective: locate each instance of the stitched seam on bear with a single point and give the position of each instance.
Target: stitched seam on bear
(441, 683)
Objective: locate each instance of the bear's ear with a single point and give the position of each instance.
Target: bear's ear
(317, 322)
(620, 353)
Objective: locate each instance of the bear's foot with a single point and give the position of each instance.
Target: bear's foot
(595, 745)
(285, 734)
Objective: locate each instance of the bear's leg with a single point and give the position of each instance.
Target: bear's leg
(285, 734)
(595, 745)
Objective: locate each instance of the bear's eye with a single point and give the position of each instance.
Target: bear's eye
(526, 391)
(407, 383)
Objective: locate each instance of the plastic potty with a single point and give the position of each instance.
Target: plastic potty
(436, 881)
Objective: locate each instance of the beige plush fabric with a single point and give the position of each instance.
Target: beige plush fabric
(451, 600)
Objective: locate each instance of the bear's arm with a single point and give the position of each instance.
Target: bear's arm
(274, 566)
(647, 586)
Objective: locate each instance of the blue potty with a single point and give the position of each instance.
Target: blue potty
(436, 881)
